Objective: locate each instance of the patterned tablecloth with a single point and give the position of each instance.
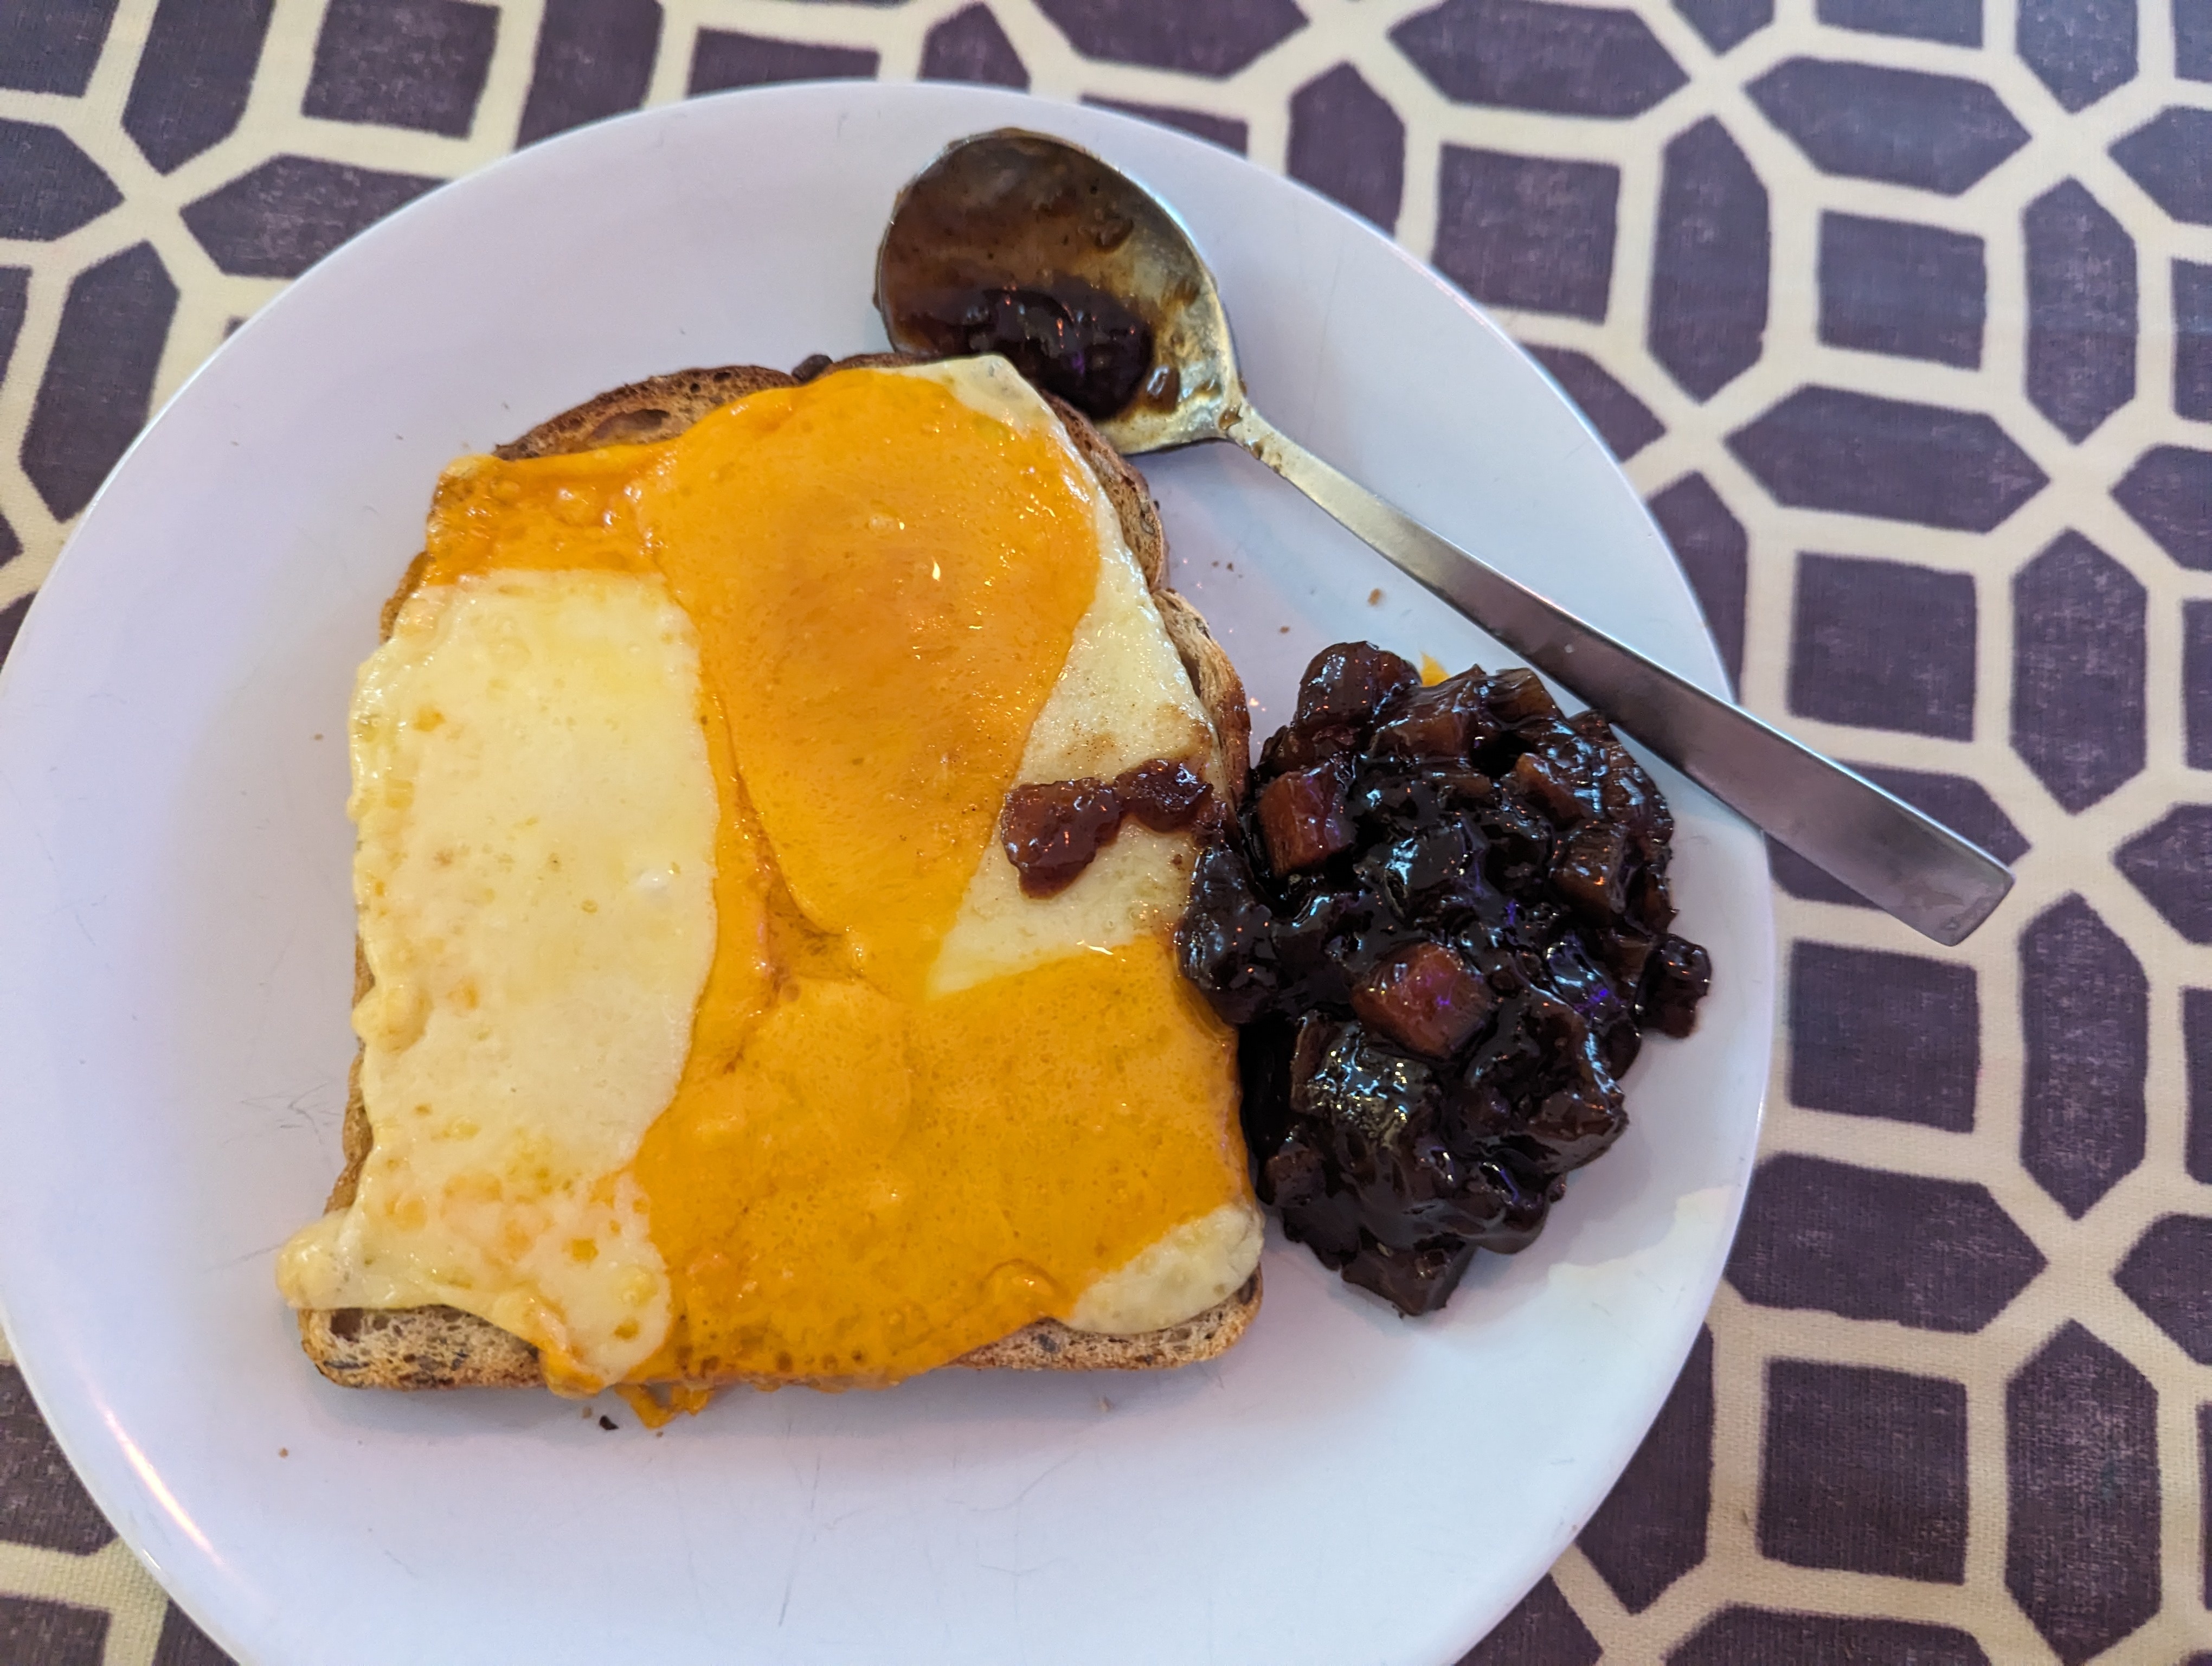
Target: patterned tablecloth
(1899, 312)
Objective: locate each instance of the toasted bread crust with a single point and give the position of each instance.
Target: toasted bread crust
(442, 1347)
(657, 408)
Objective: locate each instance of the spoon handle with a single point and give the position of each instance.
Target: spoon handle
(1883, 848)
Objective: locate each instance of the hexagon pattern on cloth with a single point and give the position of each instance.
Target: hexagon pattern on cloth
(1897, 314)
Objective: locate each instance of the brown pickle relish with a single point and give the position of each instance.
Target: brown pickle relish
(1441, 924)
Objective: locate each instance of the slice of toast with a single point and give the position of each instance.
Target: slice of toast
(442, 1347)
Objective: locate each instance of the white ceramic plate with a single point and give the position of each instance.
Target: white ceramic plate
(175, 968)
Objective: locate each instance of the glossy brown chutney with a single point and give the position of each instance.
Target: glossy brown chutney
(1053, 829)
(1064, 336)
(1441, 923)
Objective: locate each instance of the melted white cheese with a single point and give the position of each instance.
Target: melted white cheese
(1180, 1274)
(1122, 697)
(533, 876)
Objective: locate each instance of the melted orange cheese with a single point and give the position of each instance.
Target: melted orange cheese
(854, 1182)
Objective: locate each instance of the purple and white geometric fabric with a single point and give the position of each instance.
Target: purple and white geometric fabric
(1899, 312)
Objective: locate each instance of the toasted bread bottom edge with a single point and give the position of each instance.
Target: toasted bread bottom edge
(442, 1347)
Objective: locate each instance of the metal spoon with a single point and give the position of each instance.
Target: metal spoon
(1020, 210)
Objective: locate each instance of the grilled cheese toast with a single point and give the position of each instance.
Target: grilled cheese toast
(706, 1034)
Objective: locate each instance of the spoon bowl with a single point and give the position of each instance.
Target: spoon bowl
(1021, 207)
(1018, 242)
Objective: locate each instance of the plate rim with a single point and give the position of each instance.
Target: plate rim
(111, 1490)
